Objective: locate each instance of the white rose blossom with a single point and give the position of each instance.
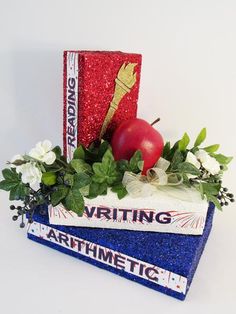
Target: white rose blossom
(42, 152)
(30, 174)
(202, 158)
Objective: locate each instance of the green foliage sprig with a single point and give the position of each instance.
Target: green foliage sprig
(200, 167)
(90, 173)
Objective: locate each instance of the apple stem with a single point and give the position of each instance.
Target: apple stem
(155, 121)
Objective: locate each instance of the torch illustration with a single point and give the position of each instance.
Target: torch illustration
(125, 80)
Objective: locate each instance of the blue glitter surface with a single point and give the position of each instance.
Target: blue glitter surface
(177, 253)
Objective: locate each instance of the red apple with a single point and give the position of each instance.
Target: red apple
(137, 134)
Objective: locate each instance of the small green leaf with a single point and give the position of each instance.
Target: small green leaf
(223, 160)
(81, 180)
(106, 171)
(166, 150)
(186, 167)
(120, 190)
(74, 201)
(177, 159)
(18, 192)
(57, 151)
(134, 163)
(214, 200)
(122, 165)
(212, 148)
(200, 138)
(108, 158)
(7, 185)
(183, 143)
(102, 149)
(59, 194)
(96, 189)
(211, 188)
(79, 153)
(69, 179)
(79, 165)
(49, 178)
(10, 174)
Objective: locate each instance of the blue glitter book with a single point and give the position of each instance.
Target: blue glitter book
(161, 261)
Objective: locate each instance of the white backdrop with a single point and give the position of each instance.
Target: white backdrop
(188, 79)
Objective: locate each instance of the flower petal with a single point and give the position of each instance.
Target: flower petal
(46, 145)
(49, 158)
(192, 159)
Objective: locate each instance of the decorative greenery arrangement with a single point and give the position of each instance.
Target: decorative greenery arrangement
(45, 177)
(200, 167)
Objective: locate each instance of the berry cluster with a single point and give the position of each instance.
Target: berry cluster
(225, 197)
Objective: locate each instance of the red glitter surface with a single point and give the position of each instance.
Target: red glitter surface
(97, 73)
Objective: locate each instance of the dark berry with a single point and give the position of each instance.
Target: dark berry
(22, 225)
(225, 189)
(19, 207)
(14, 217)
(30, 220)
(221, 203)
(220, 181)
(12, 207)
(226, 203)
(232, 200)
(230, 195)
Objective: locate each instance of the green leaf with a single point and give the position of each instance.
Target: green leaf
(10, 174)
(211, 188)
(172, 151)
(106, 171)
(79, 153)
(223, 160)
(74, 201)
(7, 185)
(186, 180)
(18, 192)
(177, 159)
(200, 138)
(69, 179)
(59, 194)
(136, 162)
(186, 167)
(214, 200)
(183, 143)
(108, 158)
(79, 165)
(57, 151)
(122, 165)
(49, 178)
(212, 148)
(166, 150)
(102, 149)
(96, 189)
(81, 180)
(120, 190)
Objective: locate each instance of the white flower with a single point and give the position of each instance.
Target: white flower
(14, 158)
(192, 159)
(209, 163)
(42, 152)
(30, 174)
(202, 155)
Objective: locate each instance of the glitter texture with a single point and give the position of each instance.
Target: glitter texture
(96, 81)
(174, 252)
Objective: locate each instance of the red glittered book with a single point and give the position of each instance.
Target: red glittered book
(100, 91)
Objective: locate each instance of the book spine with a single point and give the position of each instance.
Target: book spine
(70, 102)
(104, 256)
